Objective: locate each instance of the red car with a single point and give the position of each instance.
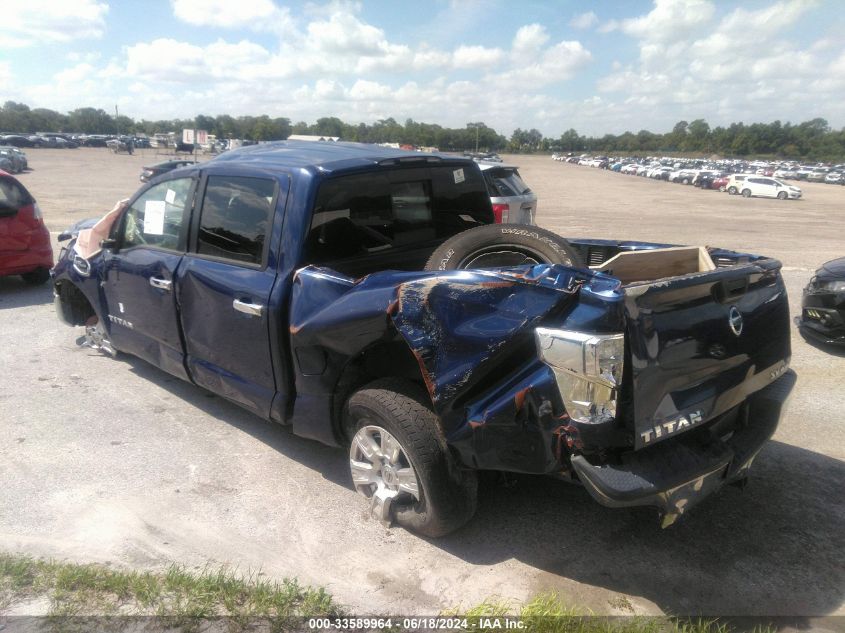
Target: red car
(25, 248)
(719, 183)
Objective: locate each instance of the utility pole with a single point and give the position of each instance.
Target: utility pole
(116, 126)
(477, 126)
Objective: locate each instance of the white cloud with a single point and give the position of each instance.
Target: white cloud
(556, 63)
(669, 21)
(428, 59)
(529, 42)
(75, 56)
(37, 22)
(477, 57)
(584, 20)
(331, 61)
(364, 90)
(173, 61)
(720, 67)
(258, 15)
(77, 73)
(343, 33)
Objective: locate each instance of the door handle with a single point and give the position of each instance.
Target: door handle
(252, 309)
(162, 284)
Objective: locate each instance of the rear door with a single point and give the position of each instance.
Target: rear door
(224, 289)
(139, 277)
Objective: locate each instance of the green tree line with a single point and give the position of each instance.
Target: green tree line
(813, 139)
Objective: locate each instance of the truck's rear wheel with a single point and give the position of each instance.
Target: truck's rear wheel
(495, 245)
(400, 462)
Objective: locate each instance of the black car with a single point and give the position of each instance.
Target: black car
(150, 172)
(17, 140)
(823, 307)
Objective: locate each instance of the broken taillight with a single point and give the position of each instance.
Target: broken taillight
(501, 213)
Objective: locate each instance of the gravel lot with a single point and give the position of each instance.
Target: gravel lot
(114, 461)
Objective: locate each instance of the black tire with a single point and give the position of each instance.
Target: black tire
(746, 193)
(732, 190)
(685, 181)
(495, 245)
(37, 277)
(448, 495)
(782, 195)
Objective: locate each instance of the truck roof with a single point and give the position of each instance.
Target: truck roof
(326, 157)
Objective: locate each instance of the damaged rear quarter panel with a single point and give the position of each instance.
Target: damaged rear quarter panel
(471, 333)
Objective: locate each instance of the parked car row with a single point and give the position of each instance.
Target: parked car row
(57, 140)
(734, 177)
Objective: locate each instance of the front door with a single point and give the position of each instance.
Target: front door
(224, 288)
(139, 275)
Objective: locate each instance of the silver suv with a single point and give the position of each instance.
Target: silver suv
(513, 201)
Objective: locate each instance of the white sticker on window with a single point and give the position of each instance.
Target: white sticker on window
(154, 217)
(170, 196)
(459, 176)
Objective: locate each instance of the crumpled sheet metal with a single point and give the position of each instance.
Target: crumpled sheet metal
(457, 323)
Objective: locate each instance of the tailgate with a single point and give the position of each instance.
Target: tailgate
(700, 344)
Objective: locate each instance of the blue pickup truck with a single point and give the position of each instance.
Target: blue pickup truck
(366, 297)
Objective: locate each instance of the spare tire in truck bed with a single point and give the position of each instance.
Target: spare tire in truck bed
(497, 245)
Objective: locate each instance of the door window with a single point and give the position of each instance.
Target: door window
(157, 217)
(236, 218)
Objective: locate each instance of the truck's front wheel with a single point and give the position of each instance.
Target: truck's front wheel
(400, 462)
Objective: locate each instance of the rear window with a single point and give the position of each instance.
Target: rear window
(394, 210)
(13, 195)
(505, 182)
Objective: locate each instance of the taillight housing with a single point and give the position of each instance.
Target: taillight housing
(501, 213)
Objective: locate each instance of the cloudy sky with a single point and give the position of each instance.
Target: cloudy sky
(600, 67)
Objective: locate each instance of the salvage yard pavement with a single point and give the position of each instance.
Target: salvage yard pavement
(114, 462)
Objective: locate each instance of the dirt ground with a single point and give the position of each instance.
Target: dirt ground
(114, 461)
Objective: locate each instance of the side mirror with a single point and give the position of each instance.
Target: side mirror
(109, 243)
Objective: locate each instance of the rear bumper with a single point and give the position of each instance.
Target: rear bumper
(675, 476)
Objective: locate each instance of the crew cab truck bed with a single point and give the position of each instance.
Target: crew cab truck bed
(290, 279)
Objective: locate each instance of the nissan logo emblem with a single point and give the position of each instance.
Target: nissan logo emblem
(735, 321)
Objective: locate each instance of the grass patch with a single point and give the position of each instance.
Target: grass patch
(548, 613)
(187, 600)
(180, 595)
